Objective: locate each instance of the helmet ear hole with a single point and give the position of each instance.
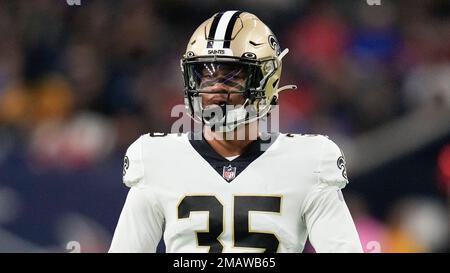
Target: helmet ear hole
(274, 100)
(274, 84)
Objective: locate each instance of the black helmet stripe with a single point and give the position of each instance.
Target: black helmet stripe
(229, 31)
(222, 28)
(212, 30)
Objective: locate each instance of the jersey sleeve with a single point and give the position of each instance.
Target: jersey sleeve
(133, 166)
(140, 224)
(332, 169)
(325, 213)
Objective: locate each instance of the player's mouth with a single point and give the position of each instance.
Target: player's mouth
(215, 108)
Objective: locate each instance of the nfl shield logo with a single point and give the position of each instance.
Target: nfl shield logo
(229, 173)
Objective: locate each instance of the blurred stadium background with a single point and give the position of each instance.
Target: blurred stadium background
(79, 83)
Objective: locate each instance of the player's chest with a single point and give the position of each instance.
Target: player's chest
(260, 205)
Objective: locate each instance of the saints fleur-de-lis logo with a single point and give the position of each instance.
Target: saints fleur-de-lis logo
(341, 166)
(126, 164)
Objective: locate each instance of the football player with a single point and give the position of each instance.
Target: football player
(212, 191)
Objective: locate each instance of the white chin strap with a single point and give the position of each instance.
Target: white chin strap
(285, 87)
(282, 54)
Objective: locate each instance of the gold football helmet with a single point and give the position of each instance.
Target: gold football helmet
(233, 52)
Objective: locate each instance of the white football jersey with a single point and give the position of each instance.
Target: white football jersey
(269, 199)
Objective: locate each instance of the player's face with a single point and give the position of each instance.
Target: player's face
(222, 84)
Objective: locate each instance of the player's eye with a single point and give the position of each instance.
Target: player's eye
(207, 75)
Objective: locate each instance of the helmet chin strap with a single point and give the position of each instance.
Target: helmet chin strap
(289, 86)
(283, 53)
(286, 87)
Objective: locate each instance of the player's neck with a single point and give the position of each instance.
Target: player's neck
(232, 143)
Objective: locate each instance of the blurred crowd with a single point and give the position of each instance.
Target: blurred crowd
(79, 83)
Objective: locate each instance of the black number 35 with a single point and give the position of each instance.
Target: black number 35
(243, 237)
